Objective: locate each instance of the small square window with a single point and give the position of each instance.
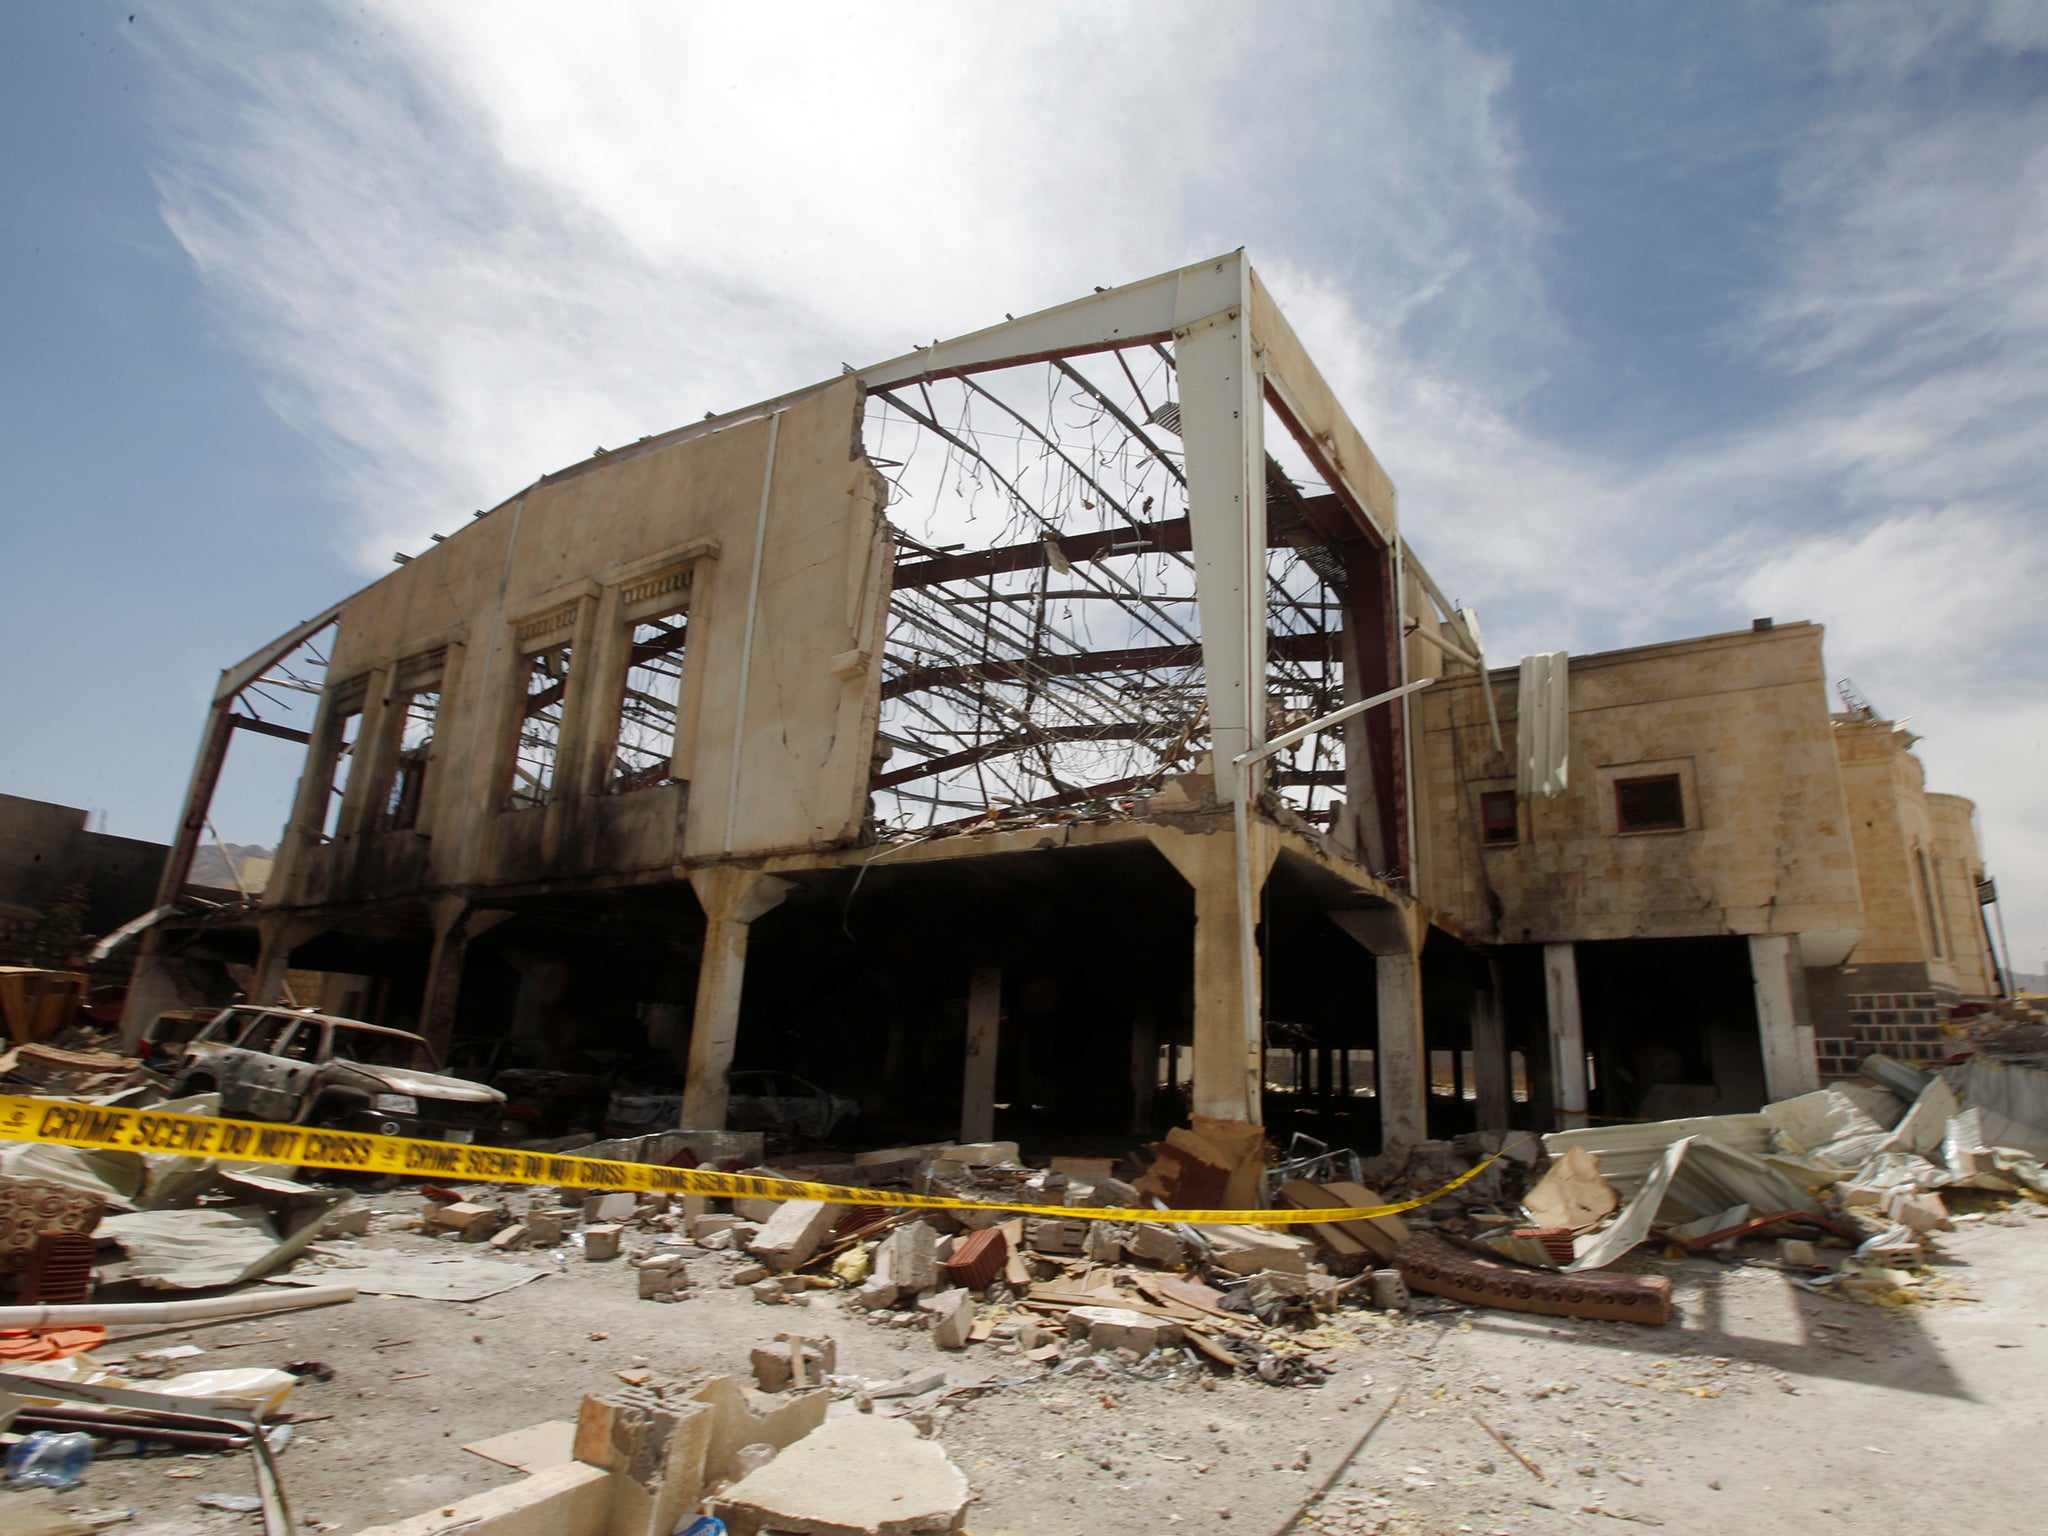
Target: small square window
(1499, 818)
(1649, 805)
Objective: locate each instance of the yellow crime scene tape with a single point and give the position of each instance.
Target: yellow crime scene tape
(101, 1128)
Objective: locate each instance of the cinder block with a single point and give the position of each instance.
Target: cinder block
(952, 1314)
(603, 1242)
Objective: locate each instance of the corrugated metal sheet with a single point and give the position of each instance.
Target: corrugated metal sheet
(1543, 729)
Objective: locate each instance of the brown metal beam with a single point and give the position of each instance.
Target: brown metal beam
(268, 728)
(968, 757)
(1169, 536)
(1151, 658)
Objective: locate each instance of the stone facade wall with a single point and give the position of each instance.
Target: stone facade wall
(1742, 721)
(1895, 849)
(1958, 866)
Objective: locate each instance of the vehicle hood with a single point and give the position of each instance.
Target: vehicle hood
(426, 1085)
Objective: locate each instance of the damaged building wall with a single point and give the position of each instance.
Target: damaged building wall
(1958, 873)
(766, 538)
(1754, 836)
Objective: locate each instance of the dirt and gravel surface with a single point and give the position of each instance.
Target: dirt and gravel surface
(1762, 1409)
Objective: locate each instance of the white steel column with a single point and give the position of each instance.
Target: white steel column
(1781, 1024)
(978, 1078)
(1222, 414)
(1567, 1035)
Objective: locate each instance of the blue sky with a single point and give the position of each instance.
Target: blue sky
(1662, 316)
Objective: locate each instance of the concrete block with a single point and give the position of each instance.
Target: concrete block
(873, 1295)
(769, 1293)
(981, 1154)
(603, 1242)
(1247, 1250)
(1114, 1328)
(776, 1366)
(952, 1315)
(606, 1208)
(794, 1233)
(662, 1278)
(1796, 1253)
(908, 1258)
(748, 1274)
(1102, 1243)
(353, 1221)
(1050, 1234)
(518, 1235)
(701, 1227)
(855, 1476)
(472, 1222)
(656, 1450)
(1862, 1194)
(1923, 1213)
(1155, 1245)
(543, 1228)
(1389, 1290)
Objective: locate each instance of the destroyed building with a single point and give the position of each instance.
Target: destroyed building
(933, 734)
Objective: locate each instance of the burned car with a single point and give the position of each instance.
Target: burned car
(313, 1069)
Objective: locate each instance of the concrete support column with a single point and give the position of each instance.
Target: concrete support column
(279, 936)
(1402, 1054)
(1783, 1028)
(455, 924)
(732, 898)
(1228, 1047)
(984, 1039)
(1490, 1058)
(1567, 1035)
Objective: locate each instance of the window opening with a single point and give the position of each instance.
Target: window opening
(535, 754)
(1499, 819)
(645, 744)
(1649, 805)
(347, 731)
(415, 745)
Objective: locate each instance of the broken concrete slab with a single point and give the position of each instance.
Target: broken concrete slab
(1116, 1328)
(794, 1233)
(1247, 1250)
(855, 1476)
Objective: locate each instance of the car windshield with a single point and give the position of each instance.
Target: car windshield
(382, 1048)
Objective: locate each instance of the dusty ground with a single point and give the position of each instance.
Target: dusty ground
(1762, 1409)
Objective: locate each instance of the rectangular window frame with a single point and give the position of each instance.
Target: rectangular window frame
(547, 648)
(401, 802)
(1624, 828)
(342, 749)
(1491, 824)
(661, 597)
